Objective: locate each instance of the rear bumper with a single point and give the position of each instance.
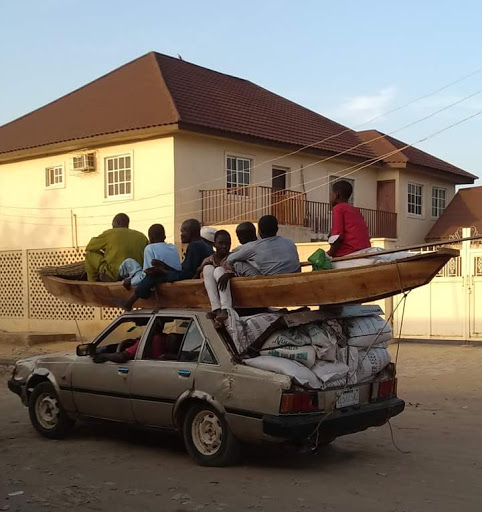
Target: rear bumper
(338, 423)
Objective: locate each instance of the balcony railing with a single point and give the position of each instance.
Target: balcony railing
(234, 205)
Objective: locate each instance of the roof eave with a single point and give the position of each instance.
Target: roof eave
(457, 179)
(200, 129)
(91, 142)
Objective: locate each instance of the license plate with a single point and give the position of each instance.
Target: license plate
(349, 397)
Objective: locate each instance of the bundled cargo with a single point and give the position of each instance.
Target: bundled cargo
(331, 353)
(298, 372)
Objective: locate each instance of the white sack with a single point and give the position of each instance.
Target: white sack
(371, 362)
(329, 371)
(305, 355)
(244, 331)
(294, 337)
(352, 361)
(323, 340)
(300, 373)
(364, 331)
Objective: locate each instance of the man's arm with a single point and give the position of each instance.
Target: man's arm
(244, 253)
(97, 243)
(116, 357)
(337, 230)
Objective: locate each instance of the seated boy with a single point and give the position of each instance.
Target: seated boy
(212, 268)
(349, 232)
(133, 273)
(196, 252)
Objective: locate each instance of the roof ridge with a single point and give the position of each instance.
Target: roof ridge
(163, 82)
(198, 66)
(74, 91)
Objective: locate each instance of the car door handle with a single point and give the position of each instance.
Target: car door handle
(123, 369)
(184, 373)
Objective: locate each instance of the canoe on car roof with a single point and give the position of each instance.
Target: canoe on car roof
(325, 287)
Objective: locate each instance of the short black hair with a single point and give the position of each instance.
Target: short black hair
(222, 232)
(193, 226)
(157, 232)
(268, 225)
(121, 220)
(343, 188)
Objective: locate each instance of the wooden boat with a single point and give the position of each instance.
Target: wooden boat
(324, 287)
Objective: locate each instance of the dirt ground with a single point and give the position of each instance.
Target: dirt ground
(110, 467)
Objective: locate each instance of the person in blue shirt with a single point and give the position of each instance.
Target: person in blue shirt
(196, 252)
(158, 250)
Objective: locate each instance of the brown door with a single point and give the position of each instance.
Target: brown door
(385, 224)
(386, 195)
(280, 207)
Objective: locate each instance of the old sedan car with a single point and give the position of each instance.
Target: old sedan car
(195, 384)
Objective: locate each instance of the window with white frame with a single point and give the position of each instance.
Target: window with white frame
(238, 174)
(118, 176)
(54, 177)
(350, 181)
(439, 196)
(414, 199)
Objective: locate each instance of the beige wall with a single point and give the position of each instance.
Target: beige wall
(413, 229)
(34, 225)
(200, 163)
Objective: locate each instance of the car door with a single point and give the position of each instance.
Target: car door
(157, 382)
(102, 390)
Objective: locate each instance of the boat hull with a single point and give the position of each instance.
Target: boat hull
(325, 287)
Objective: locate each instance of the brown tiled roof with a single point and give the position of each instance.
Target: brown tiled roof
(464, 211)
(157, 90)
(382, 144)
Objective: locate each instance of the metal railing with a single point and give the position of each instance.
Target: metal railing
(234, 205)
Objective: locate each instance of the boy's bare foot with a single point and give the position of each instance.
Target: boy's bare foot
(211, 315)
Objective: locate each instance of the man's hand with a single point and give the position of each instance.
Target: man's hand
(100, 358)
(224, 280)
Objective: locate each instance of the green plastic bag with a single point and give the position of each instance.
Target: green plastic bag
(320, 260)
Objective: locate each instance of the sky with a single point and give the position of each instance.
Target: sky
(351, 61)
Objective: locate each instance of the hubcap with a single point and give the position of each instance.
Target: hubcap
(207, 432)
(47, 411)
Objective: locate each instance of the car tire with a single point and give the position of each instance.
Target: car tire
(47, 414)
(208, 438)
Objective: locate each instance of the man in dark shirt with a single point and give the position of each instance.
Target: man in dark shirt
(196, 251)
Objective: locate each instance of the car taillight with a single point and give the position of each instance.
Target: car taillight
(298, 402)
(387, 388)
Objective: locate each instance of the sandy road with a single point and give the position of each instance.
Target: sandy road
(109, 467)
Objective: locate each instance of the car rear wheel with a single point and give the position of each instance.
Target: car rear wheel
(208, 438)
(46, 413)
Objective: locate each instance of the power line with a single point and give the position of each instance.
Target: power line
(450, 84)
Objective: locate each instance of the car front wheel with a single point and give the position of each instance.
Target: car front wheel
(46, 413)
(208, 438)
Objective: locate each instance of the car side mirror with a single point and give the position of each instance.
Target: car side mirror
(85, 349)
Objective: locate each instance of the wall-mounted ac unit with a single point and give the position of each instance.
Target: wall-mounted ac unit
(84, 163)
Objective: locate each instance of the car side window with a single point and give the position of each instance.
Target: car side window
(207, 355)
(123, 335)
(165, 338)
(192, 344)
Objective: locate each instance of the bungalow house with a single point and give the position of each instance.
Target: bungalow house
(163, 140)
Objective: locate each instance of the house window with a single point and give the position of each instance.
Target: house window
(415, 199)
(54, 177)
(118, 176)
(438, 201)
(238, 174)
(333, 179)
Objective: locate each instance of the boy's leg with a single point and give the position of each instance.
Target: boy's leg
(225, 296)
(93, 262)
(245, 269)
(211, 286)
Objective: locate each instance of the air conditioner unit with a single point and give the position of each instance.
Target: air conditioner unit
(84, 163)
